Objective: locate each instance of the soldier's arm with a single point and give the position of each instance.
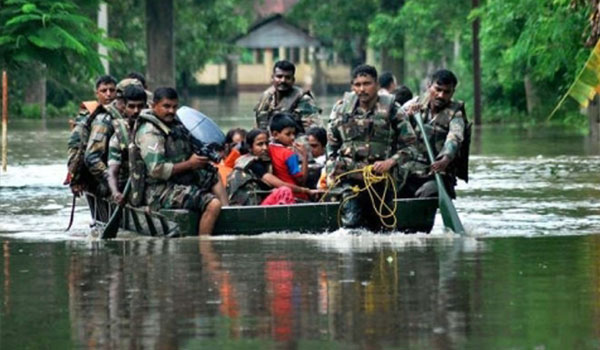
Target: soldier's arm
(406, 138)
(96, 148)
(455, 137)
(114, 164)
(334, 137)
(152, 150)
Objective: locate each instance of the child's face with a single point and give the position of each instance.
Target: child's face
(260, 145)
(286, 136)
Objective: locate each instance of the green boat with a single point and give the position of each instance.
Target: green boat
(413, 215)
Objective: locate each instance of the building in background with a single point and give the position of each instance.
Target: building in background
(267, 41)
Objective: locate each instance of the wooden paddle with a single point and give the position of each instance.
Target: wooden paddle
(112, 227)
(449, 214)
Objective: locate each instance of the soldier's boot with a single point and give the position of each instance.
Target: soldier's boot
(351, 213)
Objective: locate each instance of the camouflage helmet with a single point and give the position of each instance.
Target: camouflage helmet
(125, 83)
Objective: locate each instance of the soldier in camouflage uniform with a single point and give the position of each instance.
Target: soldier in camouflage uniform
(79, 177)
(101, 129)
(365, 128)
(134, 99)
(445, 124)
(175, 177)
(283, 96)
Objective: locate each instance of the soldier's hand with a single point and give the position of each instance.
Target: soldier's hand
(196, 162)
(118, 198)
(440, 165)
(413, 109)
(383, 166)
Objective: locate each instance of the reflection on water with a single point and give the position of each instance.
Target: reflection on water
(239, 294)
(525, 278)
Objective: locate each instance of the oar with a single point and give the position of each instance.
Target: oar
(449, 214)
(112, 227)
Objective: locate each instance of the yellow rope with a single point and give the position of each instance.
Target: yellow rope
(381, 208)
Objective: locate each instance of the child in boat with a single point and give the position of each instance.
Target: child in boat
(316, 138)
(289, 159)
(252, 175)
(231, 152)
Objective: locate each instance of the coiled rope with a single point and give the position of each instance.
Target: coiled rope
(370, 178)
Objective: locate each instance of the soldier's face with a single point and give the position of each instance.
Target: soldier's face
(133, 108)
(106, 93)
(316, 148)
(260, 146)
(440, 95)
(282, 80)
(165, 109)
(365, 87)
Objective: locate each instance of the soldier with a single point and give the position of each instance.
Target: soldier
(387, 83)
(175, 177)
(134, 100)
(283, 96)
(365, 129)
(79, 177)
(444, 121)
(101, 129)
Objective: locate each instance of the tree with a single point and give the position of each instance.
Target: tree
(341, 23)
(53, 35)
(210, 27)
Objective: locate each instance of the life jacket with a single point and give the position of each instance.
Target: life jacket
(177, 141)
(266, 108)
(242, 184)
(366, 138)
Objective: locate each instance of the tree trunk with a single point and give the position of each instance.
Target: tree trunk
(231, 66)
(593, 114)
(531, 96)
(476, 69)
(35, 91)
(160, 43)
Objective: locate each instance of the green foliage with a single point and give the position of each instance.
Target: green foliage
(343, 24)
(50, 32)
(210, 25)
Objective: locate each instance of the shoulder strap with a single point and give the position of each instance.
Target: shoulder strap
(146, 115)
(348, 102)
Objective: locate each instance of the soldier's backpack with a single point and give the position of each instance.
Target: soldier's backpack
(78, 174)
(242, 186)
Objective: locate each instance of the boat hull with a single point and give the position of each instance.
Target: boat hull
(413, 215)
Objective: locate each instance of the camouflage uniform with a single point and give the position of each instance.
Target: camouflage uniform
(118, 152)
(161, 146)
(96, 153)
(445, 132)
(298, 102)
(357, 138)
(243, 186)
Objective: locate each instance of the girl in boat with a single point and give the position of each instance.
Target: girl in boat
(252, 178)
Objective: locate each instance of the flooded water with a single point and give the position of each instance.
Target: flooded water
(525, 277)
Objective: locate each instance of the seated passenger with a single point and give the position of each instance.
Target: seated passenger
(317, 140)
(230, 152)
(175, 177)
(288, 165)
(251, 177)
